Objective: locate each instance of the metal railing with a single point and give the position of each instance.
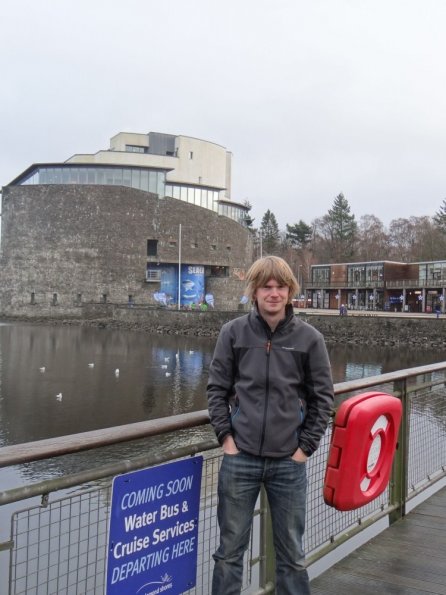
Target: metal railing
(59, 543)
(381, 284)
(364, 284)
(416, 283)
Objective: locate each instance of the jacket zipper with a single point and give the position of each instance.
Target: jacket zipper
(267, 353)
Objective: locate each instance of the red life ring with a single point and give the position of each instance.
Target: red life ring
(363, 442)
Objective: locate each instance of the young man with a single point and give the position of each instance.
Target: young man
(270, 394)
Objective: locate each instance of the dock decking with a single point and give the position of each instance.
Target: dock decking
(408, 558)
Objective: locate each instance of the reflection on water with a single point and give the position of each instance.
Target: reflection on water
(350, 362)
(158, 377)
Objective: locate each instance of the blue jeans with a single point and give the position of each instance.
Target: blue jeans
(239, 484)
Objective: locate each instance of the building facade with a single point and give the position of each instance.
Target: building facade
(191, 170)
(381, 285)
(77, 233)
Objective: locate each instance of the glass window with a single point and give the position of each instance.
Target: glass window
(321, 274)
(31, 179)
(152, 181)
(91, 175)
(109, 176)
(217, 271)
(50, 175)
(176, 192)
(144, 180)
(74, 175)
(356, 274)
(183, 193)
(198, 197)
(136, 178)
(204, 198)
(117, 176)
(82, 175)
(152, 247)
(100, 176)
(134, 149)
(160, 183)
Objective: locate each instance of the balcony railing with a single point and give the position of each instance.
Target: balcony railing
(59, 545)
(400, 284)
(416, 283)
(345, 285)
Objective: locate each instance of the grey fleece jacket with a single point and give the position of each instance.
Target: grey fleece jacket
(272, 391)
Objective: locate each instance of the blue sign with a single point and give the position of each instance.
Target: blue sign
(153, 535)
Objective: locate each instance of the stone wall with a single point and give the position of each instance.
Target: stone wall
(64, 246)
(410, 333)
(381, 330)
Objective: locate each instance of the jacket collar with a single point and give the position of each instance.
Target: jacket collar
(289, 314)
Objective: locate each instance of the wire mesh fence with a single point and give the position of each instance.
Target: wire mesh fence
(60, 547)
(427, 435)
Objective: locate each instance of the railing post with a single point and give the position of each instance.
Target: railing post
(267, 572)
(399, 476)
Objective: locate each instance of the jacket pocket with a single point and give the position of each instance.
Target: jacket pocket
(235, 408)
(302, 411)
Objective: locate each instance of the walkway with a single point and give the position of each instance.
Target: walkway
(367, 313)
(408, 558)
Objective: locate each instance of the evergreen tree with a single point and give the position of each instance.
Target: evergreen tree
(299, 235)
(270, 232)
(440, 217)
(342, 228)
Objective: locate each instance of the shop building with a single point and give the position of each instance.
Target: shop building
(380, 285)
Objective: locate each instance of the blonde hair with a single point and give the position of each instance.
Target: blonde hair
(270, 267)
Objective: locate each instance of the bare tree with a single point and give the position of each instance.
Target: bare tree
(401, 240)
(373, 240)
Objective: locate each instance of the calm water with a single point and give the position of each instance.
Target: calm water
(80, 389)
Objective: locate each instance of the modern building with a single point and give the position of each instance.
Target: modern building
(149, 221)
(189, 169)
(382, 285)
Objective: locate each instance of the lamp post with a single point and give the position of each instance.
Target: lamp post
(179, 268)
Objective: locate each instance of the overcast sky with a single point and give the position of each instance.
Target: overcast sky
(312, 97)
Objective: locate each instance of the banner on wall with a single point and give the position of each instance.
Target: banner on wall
(192, 284)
